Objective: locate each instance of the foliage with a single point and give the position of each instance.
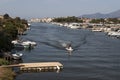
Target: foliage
(67, 19)
(6, 16)
(101, 20)
(108, 21)
(3, 62)
(9, 30)
(113, 20)
(5, 42)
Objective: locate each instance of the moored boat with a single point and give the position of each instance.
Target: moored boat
(16, 55)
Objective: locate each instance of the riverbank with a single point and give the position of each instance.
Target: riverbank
(7, 74)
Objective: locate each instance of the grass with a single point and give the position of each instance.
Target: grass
(6, 73)
(4, 62)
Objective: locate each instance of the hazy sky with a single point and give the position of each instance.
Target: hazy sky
(55, 8)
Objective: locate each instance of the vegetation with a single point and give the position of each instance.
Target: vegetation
(67, 19)
(4, 62)
(6, 73)
(9, 30)
(113, 20)
(103, 21)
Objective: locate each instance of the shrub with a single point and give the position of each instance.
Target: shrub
(3, 62)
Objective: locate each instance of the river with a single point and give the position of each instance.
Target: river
(95, 57)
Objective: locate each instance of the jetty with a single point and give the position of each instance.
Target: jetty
(39, 66)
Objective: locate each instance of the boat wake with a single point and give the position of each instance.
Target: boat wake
(69, 46)
(70, 41)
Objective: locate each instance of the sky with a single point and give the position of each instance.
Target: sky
(56, 8)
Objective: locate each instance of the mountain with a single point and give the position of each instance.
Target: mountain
(115, 14)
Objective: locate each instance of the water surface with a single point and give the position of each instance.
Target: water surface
(96, 56)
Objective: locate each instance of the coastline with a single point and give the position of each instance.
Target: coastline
(6, 73)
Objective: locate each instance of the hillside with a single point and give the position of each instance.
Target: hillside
(115, 14)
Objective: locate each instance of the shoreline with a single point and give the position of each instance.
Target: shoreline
(7, 74)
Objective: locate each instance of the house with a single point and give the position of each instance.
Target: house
(1, 17)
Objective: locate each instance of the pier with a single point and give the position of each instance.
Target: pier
(40, 66)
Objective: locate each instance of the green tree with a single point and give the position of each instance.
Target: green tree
(113, 20)
(11, 30)
(67, 19)
(5, 42)
(6, 16)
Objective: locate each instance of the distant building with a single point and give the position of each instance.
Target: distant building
(1, 17)
(41, 20)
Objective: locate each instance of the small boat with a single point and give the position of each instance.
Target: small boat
(15, 41)
(16, 55)
(69, 48)
(26, 43)
(29, 24)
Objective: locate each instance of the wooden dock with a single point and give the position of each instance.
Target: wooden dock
(40, 66)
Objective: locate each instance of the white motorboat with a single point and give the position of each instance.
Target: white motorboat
(15, 41)
(29, 24)
(114, 34)
(74, 26)
(26, 43)
(16, 55)
(69, 49)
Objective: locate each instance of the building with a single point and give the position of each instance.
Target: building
(1, 17)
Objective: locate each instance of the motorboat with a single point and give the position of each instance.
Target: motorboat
(26, 43)
(29, 24)
(15, 41)
(69, 48)
(16, 55)
(74, 26)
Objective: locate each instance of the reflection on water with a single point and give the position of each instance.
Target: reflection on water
(16, 61)
(37, 70)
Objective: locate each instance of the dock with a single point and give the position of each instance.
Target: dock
(39, 66)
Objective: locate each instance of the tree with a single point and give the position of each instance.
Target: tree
(113, 20)
(11, 30)
(67, 19)
(5, 42)
(6, 16)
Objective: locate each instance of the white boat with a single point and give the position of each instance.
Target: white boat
(69, 49)
(16, 55)
(27, 43)
(74, 26)
(15, 41)
(29, 24)
(115, 34)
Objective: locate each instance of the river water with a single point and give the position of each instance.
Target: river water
(95, 57)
